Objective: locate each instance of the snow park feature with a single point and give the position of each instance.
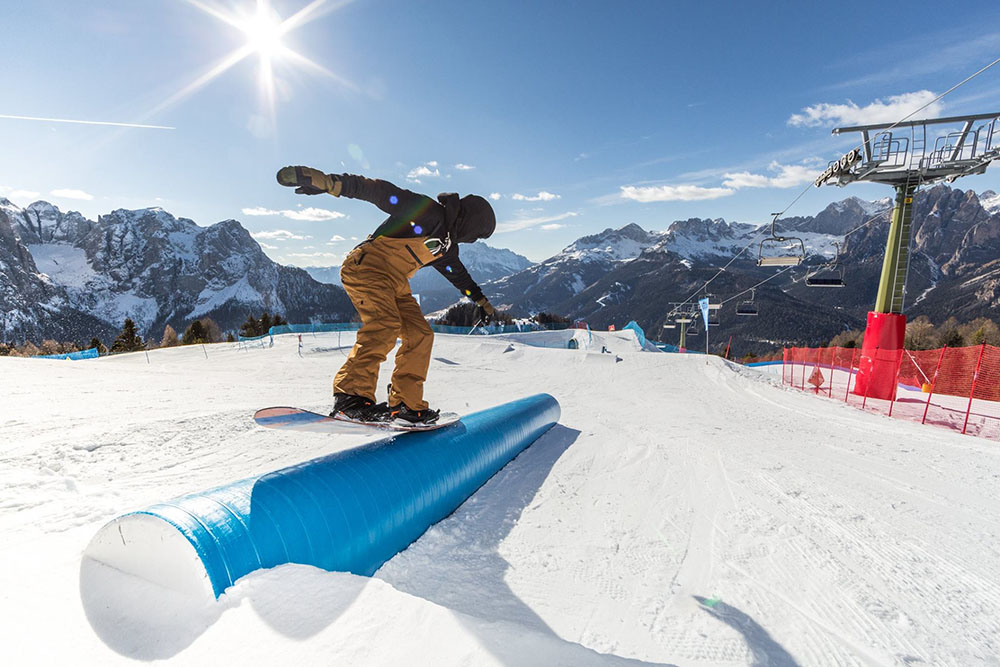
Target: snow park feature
(349, 511)
(661, 521)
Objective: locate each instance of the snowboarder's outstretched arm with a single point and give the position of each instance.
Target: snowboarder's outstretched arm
(391, 198)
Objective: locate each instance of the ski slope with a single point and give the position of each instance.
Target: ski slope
(684, 511)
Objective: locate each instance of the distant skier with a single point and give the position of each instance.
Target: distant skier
(418, 232)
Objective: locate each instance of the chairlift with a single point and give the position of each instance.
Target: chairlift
(748, 307)
(712, 305)
(777, 243)
(830, 274)
(669, 325)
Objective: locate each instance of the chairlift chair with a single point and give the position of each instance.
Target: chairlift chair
(748, 307)
(776, 243)
(830, 274)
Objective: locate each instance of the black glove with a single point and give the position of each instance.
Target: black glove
(486, 310)
(309, 181)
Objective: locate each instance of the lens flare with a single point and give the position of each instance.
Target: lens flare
(264, 31)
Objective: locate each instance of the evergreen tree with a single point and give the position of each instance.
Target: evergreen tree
(128, 340)
(265, 324)
(278, 321)
(95, 342)
(169, 337)
(195, 334)
(949, 334)
(250, 328)
(229, 337)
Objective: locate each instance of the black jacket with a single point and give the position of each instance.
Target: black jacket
(413, 215)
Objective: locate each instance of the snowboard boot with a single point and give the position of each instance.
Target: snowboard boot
(405, 416)
(359, 408)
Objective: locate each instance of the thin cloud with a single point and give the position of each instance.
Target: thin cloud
(313, 214)
(337, 238)
(541, 196)
(67, 193)
(894, 108)
(464, 167)
(495, 196)
(525, 223)
(279, 235)
(12, 193)
(658, 193)
(267, 246)
(427, 170)
(786, 176)
(552, 227)
(307, 214)
(313, 257)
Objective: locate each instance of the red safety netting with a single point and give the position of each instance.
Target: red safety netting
(954, 387)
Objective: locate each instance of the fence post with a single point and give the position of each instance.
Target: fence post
(784, 363)
(850, 374)
(933, 384)
(868, 384)
(803, 385)
(895, 390)
(975, 376)
(833, 358)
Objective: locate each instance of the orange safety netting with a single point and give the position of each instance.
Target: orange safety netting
(955, 387)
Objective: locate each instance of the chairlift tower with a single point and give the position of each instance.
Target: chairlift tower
(906, 156)
(683, 314)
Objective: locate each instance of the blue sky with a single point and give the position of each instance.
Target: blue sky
(574, 116)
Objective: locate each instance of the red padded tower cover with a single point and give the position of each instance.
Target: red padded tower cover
(880, 355)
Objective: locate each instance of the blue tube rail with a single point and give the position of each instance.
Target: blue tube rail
(353, 510)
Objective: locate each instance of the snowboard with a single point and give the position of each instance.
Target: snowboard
(298, 419)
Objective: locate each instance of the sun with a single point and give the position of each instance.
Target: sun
(264, 31)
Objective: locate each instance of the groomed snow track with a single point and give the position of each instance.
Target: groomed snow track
(350, 511)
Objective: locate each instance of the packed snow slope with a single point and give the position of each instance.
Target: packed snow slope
(684, 511)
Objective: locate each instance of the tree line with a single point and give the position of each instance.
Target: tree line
(204, 330)
(922, 334)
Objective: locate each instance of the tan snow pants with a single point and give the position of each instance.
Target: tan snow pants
(376, 275)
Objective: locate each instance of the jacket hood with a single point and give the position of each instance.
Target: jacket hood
(469, 218)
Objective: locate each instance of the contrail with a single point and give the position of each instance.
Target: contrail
(89, 122)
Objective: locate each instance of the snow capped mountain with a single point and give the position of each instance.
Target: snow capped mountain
(990, 201)
(955, 260)
(568, 273)
(148, 265)
(697, 239)
(611, 245)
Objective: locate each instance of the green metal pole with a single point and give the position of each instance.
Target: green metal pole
(895, 263)
(684, 328)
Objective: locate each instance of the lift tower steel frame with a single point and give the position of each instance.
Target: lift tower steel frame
(898, 154)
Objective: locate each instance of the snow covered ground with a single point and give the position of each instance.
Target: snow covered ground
(685, 511)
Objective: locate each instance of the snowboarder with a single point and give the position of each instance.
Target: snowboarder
(418, 232)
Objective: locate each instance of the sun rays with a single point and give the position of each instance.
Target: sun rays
(264, 31)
